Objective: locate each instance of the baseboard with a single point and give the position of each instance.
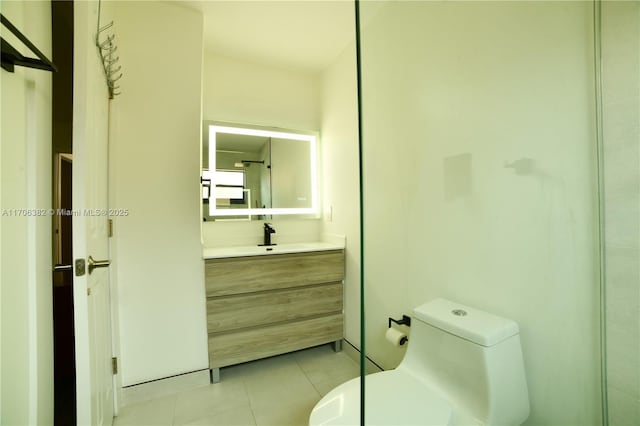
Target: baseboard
(354, 353)
(163, 387)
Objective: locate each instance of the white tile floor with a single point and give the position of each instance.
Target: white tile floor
(278, 391)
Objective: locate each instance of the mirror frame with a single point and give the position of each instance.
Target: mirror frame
(212, 128)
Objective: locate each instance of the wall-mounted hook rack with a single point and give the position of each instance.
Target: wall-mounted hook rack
(12, 57)
(107, 48)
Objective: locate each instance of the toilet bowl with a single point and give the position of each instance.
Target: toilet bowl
(463, 366)
(341, 406)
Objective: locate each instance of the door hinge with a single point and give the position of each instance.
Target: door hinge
(110, 228)
(114, 365)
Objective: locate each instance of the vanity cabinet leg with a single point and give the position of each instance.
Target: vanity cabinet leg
(214, 375)
(337, 345)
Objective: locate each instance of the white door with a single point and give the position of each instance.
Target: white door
(90, 223)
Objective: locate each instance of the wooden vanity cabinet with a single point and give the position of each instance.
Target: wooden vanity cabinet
(259, 306)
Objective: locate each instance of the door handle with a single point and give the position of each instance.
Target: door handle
(58, 268)
(93, 264)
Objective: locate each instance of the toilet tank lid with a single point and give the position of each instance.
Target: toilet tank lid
(472, 324)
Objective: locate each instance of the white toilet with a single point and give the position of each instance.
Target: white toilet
(462, 367)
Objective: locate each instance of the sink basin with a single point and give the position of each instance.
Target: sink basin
(240, 251)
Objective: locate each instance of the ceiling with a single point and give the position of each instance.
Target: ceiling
(301, 34)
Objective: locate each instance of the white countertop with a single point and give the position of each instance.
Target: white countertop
(240, 251)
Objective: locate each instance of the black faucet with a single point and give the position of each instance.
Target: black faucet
(268, 230)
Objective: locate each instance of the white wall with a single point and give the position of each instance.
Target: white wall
(621, 137)
(451, 92)
(238, 91)
(26, 354)
(155, 153)
(340, 175)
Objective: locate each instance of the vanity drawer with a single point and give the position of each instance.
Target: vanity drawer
(270, 272)
(246, 345)
(249, 310)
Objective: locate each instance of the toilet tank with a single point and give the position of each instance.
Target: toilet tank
(472, 358)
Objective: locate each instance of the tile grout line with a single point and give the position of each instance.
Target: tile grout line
(307, 377)
(173, 414)
(253, 414)
(246, 392)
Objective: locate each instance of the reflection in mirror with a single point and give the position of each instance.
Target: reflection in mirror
(258, 172)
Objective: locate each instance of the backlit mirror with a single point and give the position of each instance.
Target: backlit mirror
(257, 171)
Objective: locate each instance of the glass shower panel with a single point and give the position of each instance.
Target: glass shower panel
(619, 35)
(480, 183)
